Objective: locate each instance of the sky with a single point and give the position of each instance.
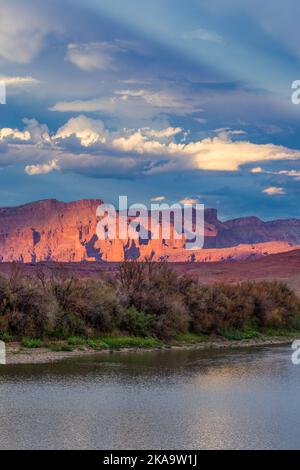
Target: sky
(163, 100)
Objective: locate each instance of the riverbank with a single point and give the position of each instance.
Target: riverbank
(18, 354)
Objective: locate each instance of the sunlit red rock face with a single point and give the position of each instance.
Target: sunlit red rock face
(56, 231)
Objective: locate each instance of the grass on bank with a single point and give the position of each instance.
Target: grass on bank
(6, 337)
(234, 334)
(119, 343)
(32, 343)
(115, 342)
(191, 338)
(283, 332)
(107, 343)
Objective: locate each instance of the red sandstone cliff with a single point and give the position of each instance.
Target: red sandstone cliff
(57, 231)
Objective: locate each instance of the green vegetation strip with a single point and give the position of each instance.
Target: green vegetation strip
(144, 305)
(109, 342)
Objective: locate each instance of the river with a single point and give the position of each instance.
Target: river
(178, 399)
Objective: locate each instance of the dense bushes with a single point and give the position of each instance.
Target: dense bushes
(31, 311)
(154, 288)
(85, 306)
(142, 299)
(255, 305)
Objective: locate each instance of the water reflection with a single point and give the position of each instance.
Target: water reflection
(163, 399)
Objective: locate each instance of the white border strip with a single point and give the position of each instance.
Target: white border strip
(2, 353)
(2, 92)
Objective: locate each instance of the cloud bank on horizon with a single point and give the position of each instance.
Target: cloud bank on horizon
(123, 97)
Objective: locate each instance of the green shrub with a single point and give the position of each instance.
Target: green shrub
(296, 323)
(32, 343)
(118, 342)
(237, 335)
(6, 337)
(68, 324)
(190, 338)
(154, 289)
(138, 323)
(249, 305)
(97, 344)
(32, 311)
(77, 341)
(86, 305)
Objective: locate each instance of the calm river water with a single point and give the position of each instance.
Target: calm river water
(154, 400)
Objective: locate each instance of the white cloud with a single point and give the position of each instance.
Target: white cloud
(23, 28)
(290, 173)
(158, 199)
(93, 56)
(19, 82)
(221, 155)
(88, 131)
(138, 143)
(274, 191)
(136, 81)
(163, 133)
(83, 106)
(257, 170)
(158, 99)
(226, 132)
(189, 201)
(100, 55)
(39, 133)
(8, 134)
(83, 144)
(216, 154)
(125, 94)
(138, 103)
(202, 34)
(42, 169)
